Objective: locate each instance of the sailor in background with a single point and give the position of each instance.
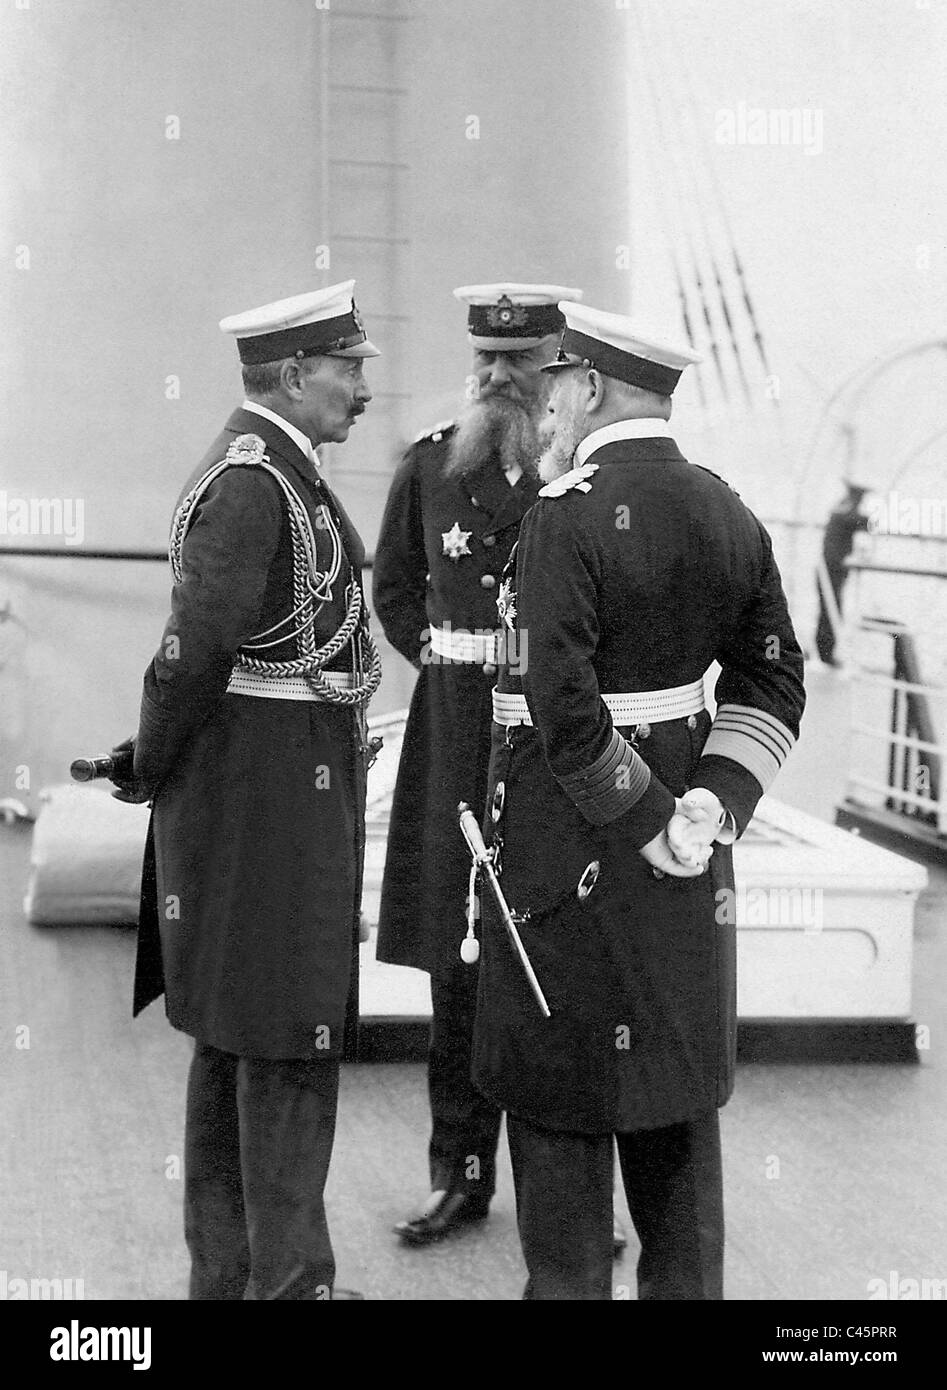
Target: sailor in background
(252, 743)
(838, 541)
(609, 788)
(452, 516)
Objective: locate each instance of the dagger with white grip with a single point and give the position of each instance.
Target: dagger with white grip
(482, 860)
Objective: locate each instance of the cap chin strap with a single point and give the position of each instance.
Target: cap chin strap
(308, 340)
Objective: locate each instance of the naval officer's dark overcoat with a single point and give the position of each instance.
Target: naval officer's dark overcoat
(636, 580)
(419, 579)
(253, 866)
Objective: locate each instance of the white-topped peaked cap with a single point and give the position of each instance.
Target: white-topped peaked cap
(617, 347)
(320, 323)
(508, 317)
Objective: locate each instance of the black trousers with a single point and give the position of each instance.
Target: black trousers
(257, 1144)
(673, 1182)
(465, 1128)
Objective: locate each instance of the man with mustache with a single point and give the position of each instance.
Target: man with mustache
(452, 516)
(615, 798)
(251, 745)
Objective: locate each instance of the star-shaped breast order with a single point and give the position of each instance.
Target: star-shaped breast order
(506, 603)
(455, 541)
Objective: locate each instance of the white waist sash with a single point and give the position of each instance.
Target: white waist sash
(245, 682)
(478, 647)
(645, 707)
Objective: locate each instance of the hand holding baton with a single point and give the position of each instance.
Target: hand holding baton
(481, 857)
(118, 769)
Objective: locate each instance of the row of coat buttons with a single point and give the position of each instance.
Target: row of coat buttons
(487, 581)
(644, 730)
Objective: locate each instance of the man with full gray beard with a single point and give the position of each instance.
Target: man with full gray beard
(452, 517)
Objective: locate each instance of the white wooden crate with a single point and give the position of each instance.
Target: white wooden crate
(825, 920)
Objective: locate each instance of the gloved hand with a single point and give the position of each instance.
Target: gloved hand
(698, 821)
(130, 789)
(660, 855)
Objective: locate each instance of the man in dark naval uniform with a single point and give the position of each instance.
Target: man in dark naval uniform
(610, 787)
(452, 516)
(251, 742)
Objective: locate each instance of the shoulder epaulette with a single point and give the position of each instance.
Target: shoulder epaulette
(436, 433)
(577, 478)
(246, 451)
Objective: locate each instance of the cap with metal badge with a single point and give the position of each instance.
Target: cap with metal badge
(510, 317)
(321, 323)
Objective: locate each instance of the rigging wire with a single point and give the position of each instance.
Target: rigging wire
(717, 192)
(690, 147)
(665, 220)
(647, 55)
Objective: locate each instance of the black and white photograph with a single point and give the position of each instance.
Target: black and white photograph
(473, 663)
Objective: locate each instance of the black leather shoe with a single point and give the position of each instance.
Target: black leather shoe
(444, 1213)
(619, 1239)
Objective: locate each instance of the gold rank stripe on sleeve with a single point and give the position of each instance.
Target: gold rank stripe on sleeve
(615, 782)
(757, 741)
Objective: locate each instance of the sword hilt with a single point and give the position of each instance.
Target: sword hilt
(483, 859)
(471, 833)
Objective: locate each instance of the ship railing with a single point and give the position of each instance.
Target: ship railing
(912, 743)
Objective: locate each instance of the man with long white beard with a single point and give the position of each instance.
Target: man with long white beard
(615, 797)
(451, 520)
